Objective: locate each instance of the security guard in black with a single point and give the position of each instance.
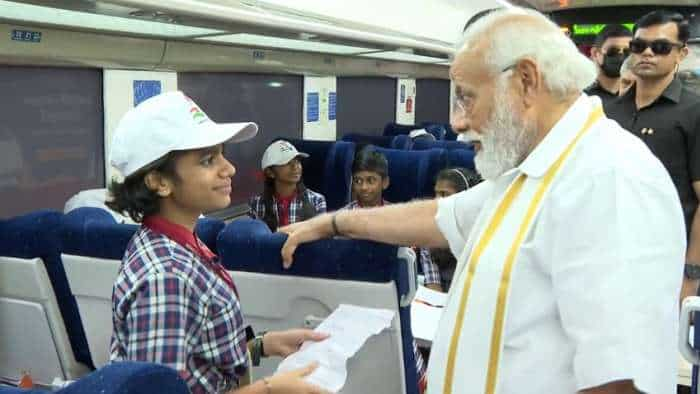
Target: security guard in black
(670, 126)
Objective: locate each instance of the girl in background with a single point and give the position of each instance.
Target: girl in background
(439, 264)
(285, 199)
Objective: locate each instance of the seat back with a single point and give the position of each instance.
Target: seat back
(93, 246)
(121, 378)
(402, 142)
(461, 158)
(393, 128)
(365, 139)
(326, 274)
(423, 144)
(328, 170)
(412, 173)
(438, 130)
(40, 328)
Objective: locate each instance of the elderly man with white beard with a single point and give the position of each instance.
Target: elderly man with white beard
(570, 254)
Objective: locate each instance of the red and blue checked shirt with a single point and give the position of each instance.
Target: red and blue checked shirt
(420, 363)
(169, 306)
(257, 207)
(431, 272)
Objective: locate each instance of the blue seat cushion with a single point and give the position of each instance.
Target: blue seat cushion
(37, 235)
(248, 245)
(412, 173)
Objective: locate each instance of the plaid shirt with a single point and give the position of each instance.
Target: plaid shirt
(431, 271)
(170, 308)
(420, 363)
(257, 206)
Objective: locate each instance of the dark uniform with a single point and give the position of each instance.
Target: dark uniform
(670, 127)
(605, 96)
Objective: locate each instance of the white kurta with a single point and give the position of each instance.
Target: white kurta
(594, 292)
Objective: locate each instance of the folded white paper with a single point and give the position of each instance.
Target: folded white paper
(349, 327)
(426, 311)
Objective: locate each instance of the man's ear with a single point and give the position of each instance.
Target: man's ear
(156, 182)
(529, 81)
(385, 183)
(269, 173)
(682, 54)
(595, 54)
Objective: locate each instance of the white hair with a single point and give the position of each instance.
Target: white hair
(565, 70)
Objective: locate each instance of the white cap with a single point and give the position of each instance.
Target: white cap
(280, 153)
(164, 123)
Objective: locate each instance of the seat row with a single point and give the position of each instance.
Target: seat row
(57, 272)
(412, 173)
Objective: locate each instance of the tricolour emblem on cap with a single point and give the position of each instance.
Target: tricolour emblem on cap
(197, 114)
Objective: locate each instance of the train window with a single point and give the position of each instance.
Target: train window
(51, 136)
(432, 100)
(272, 101)
(365, 104)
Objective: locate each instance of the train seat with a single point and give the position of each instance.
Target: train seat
(40, 329)
(412, 173)
(327, 273)
(441, 144)
(461, 158)
(93, 246)
(328, 170)
(121, 378)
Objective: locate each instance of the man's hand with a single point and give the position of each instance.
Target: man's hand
(284, 343)
(303, 232)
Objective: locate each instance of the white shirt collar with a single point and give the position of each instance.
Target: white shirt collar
(564, 131)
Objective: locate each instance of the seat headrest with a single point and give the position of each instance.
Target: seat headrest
(412, 173)
(248, 245)
(131, 378)
(93, 232)
(461, 158)
(35, 234)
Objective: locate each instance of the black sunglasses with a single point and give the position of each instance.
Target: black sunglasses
(659, 47)
(614, 51)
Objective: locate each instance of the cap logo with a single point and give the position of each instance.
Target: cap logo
(197, 114)
(286, 148)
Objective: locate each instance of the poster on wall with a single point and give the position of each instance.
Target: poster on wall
(320, 106)
(124, 89)
(405, 101)
(143, 90)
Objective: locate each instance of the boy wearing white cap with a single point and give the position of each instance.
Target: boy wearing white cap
(285, 199)
(173, 302)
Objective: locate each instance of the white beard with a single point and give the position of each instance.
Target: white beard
(505, 139)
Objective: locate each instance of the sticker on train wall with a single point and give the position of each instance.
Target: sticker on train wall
(312, 107)
(403, 94)
(332, 98)
(26, 36)
(144, 90)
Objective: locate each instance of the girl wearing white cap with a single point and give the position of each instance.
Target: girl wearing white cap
(173, 302)
(285, 199)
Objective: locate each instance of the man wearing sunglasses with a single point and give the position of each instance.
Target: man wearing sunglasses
(665, 114)
(610, 49)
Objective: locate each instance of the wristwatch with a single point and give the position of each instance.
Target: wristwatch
(691, 271)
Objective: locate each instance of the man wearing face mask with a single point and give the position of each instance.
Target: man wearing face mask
(663, 112)
(609, 51)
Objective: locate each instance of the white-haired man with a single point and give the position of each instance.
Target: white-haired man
(570, 252)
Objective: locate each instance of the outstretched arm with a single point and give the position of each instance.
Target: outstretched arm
(400, 224)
